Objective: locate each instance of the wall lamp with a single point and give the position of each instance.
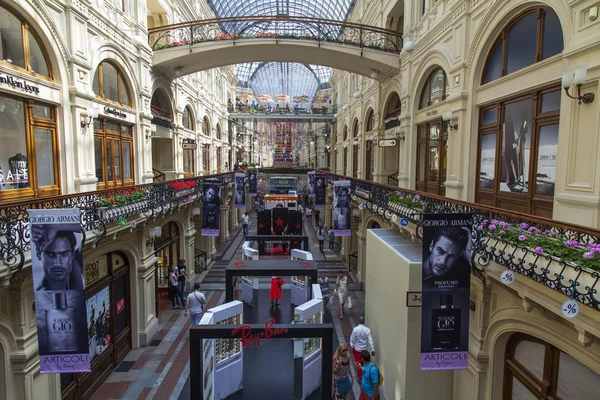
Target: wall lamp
(576, 76)
(447, 117)
(154, 234)
(195, 213)
(152, 132)
(91, 113)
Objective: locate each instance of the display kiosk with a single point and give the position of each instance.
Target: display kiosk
(222, 359)
(249, 284)
(299, 288)
(307, 351)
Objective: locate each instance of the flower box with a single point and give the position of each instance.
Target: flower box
(111, 214)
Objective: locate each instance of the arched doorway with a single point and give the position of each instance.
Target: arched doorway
(108, 305)
(162, 144)
(168, 253)
(373, 225)
(534, 369)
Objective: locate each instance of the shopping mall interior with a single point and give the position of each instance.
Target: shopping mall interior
(407, 151)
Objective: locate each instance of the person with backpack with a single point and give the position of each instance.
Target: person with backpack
(195, 303)
(331, 237)
(372, 378)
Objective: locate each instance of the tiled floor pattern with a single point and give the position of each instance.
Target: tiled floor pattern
(161, 370)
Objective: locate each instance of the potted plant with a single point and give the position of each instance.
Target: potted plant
(245, 166)
(118, 203)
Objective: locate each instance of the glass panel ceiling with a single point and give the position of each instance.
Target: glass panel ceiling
(273, 78)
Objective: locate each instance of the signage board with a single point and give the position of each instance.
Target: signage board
(414, 299)
(189, 146)
(387, 142)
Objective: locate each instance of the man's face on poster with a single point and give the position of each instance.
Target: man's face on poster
(444, 255)
(343, 196)
(319, 183)
(211, 194)
(252, 177)
(239, 196)
(57, 260)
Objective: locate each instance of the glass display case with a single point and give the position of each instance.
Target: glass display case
(228, 348)
(301, 280)
(312, 345)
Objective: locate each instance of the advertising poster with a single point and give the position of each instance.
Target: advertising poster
(240, 191)
(446, 286)
(252, 175)
(211, 207)
(488, 161)
(311, 184)
(320, 191)
(341, 208)
(58, 279)
(98, 326)
(516, 143)
(546, 163)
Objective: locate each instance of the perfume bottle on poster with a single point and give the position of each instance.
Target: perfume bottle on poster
(61, 325)
(445, 322)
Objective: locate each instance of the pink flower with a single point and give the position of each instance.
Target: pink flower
(588, 255)
(501, 232)
(492, 227)
(480, 228)
(538, 250)
(522, 237)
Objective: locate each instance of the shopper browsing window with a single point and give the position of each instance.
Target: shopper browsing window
(195, 303)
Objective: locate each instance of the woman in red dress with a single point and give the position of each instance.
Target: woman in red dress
(275, 293)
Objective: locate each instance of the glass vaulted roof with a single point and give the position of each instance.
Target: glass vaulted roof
(293, 79)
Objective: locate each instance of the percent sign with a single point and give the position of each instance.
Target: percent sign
(507, 277)
(570, 308)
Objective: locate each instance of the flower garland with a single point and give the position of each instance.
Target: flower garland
(183, 185)
(121, 198)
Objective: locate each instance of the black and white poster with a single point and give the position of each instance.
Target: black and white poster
(446, 291)
(341, 208)
(252, 175)
(516, 144)
(240, 191)
(311, 184)
(320, 191)
(211, 207)
(59, 290)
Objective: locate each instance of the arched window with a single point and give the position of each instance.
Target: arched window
(436, 88)
(218, 132)
(534, 369)
(188, 118)
(355, 129)
(533, 36)
(355, 150)
(20, 47)
(370, 124)
(393, 107)
(160, 106)
(109, 84)
(345, 132)
(206, 127)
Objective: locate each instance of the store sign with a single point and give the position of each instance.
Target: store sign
(387, 143)
(120, 305)
(17, 83)
(114, 112)
(95, 269)
(60, 305)
(249, 339)
(189, 146)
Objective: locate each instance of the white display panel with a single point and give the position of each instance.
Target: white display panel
(310, 349)
(297, 254)
(248, 286)
(299, 290)
(228, 353)
(208, 360)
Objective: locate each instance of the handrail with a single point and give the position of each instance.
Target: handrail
(200, 260)
(159, 176)
(353, 262)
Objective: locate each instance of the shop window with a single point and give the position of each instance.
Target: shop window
(518, 141)
(188, 119)
(218, 132)
(533, 36)
(206, 158)
(206, 127)
(370, 124)
(436, 88)
(109, 84)
(189, 163)
(113, 151)
(345, 161)
(20, 47)
(370, 160)
(355, 161)
(392, 111)
(167, 250)
(219, 161)
(432, 157)
(345, 133)
(108, 304)
(536, 370)
(29, 151)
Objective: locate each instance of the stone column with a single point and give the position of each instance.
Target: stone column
(146, 321)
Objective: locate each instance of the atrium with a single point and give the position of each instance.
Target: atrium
(427, 169)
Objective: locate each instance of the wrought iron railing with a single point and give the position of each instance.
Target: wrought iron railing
(200, 261)
(353, 262)
(393, 179)
(159, 176)
(99, 210)
(276, 28)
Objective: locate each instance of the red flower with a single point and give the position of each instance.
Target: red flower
(112, 201)
(129, 191)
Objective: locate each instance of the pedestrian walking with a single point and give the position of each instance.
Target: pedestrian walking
(245, 222)
(195, 303)
(176, 295)
(342, 373)
(321, 238)
(275, 292)
(341, 284)
(324, 284)
(331, 237)
(181, 275)
(369, 387)
(308, 214)
(360, 340)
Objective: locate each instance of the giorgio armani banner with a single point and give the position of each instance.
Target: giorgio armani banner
(211, 207)
(311, 184)
(252, 183)
(57, 265)
(240, 190)
(446, 286)
(320, 191)
(341, 208)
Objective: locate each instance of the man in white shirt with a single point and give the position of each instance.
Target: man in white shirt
(361, 340)
(245, 222)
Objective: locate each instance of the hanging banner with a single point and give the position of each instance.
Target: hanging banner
(446, 287)
(252, 183)
(240, 191)
(320, 191)
(211, 207)
(311, 184)
(60, 309)
(341, 208)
